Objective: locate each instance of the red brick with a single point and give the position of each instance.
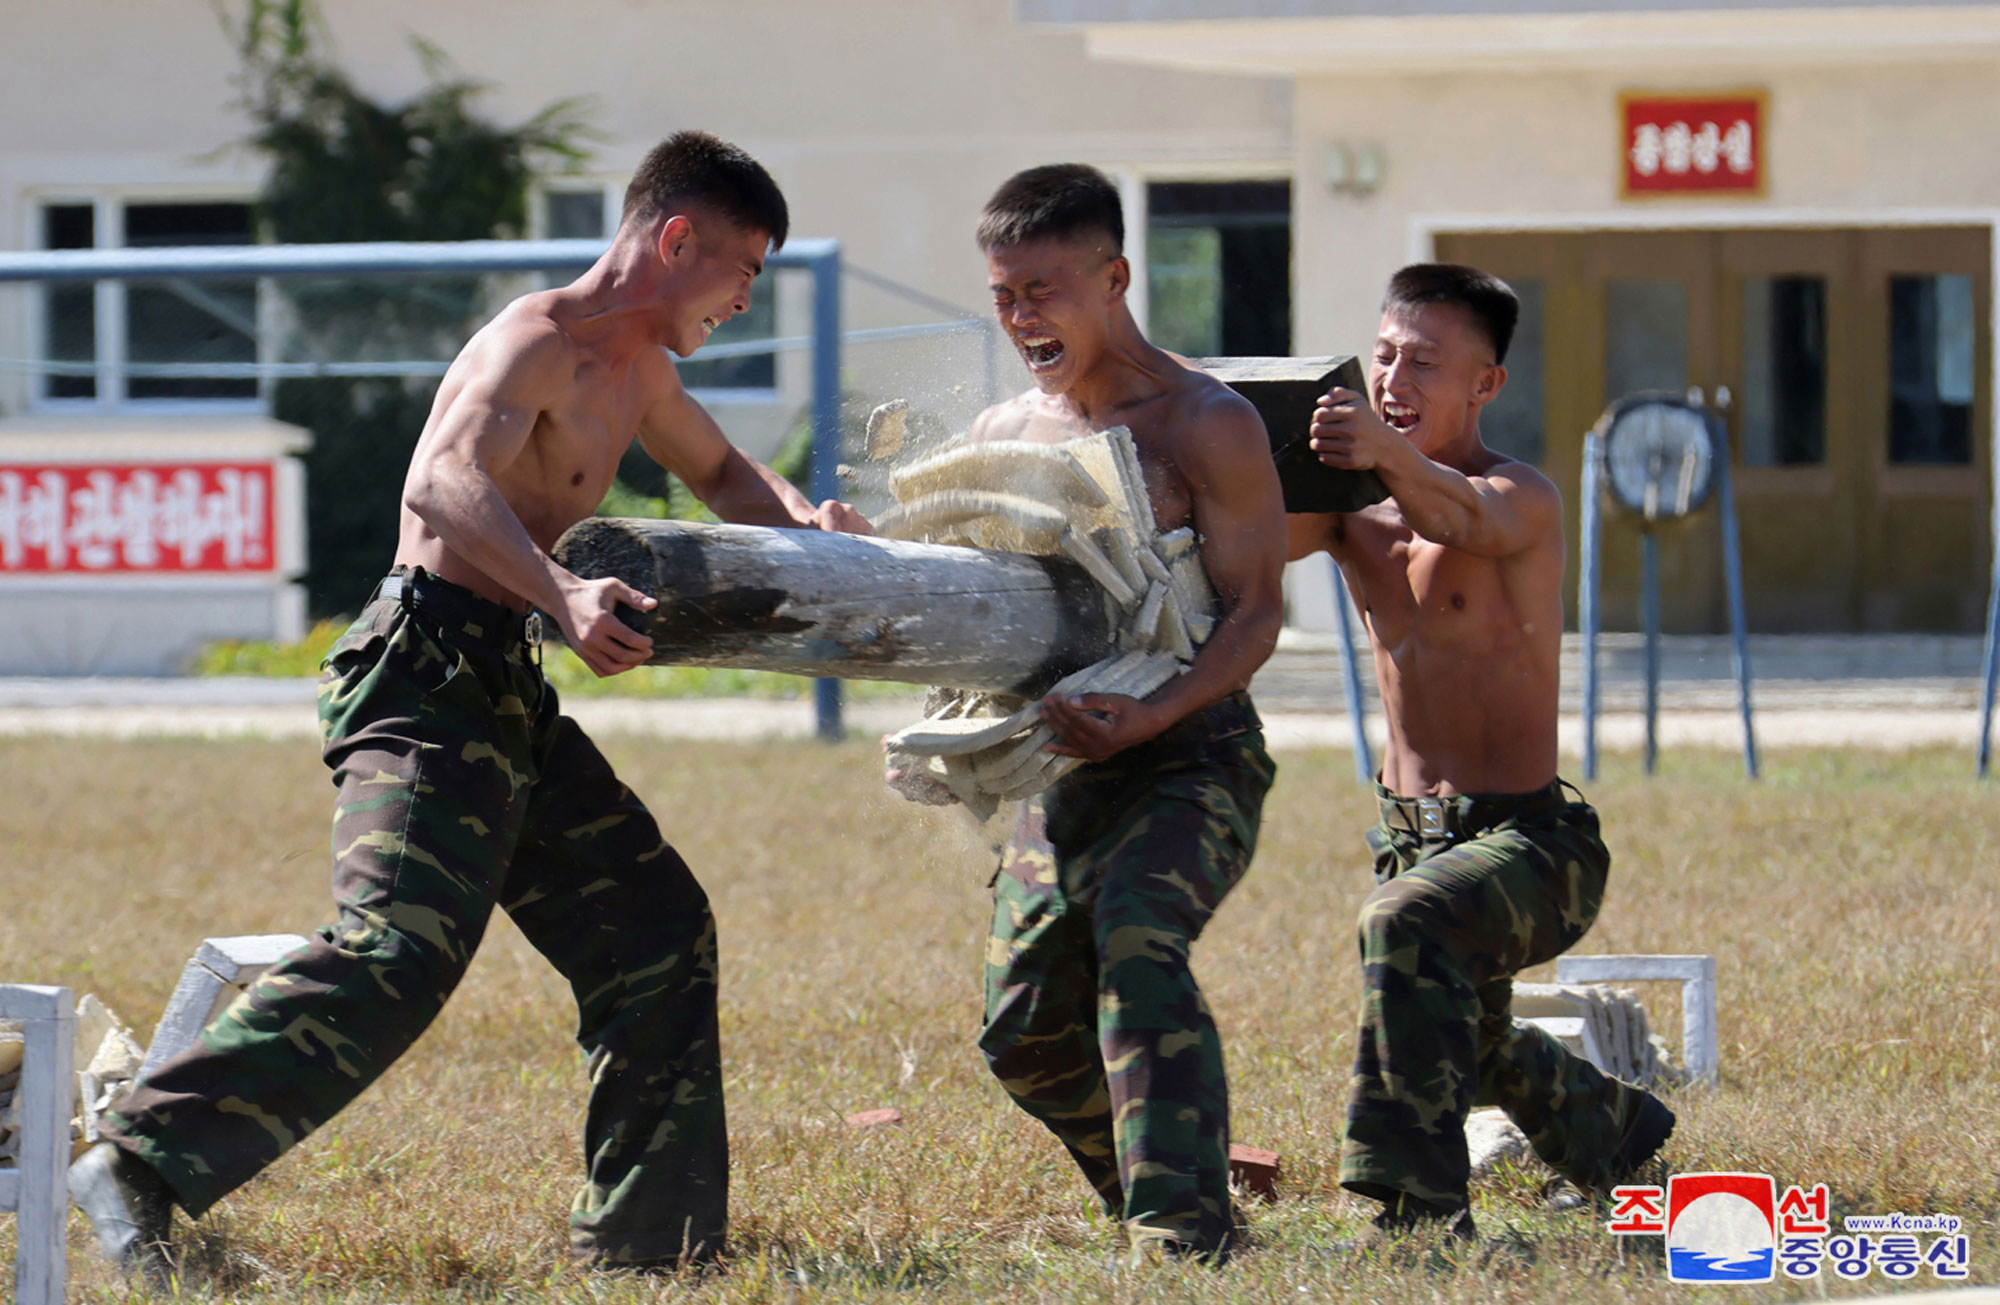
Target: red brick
(875, 1118)
(1253, 1170)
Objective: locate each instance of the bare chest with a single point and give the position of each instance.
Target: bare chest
(1415, 592)
(570, 461)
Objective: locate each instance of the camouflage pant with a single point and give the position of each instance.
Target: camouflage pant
(1093, 1021)
(461, 785)
(1441, 938)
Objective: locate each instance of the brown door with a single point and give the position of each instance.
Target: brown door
(1852, 366)
(1924, 411)
(1790, 358)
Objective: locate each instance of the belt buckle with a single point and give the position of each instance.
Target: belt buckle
(531, 630)
(1430, 815)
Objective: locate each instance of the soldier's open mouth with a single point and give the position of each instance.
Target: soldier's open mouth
(1400, 416)
(1042, 352)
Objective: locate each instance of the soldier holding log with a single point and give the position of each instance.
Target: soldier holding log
(1094, 1023)
(1485, 865)
(461, 783)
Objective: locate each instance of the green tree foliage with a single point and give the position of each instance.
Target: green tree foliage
(344, 167)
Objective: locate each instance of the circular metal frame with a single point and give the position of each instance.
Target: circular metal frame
(1660, 455)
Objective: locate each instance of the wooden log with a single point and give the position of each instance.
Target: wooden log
(1285, 391)
(808, 602)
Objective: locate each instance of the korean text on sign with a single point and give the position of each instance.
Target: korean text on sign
(175, 518)
(1682, 145)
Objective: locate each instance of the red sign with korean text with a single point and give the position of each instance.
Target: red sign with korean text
(173, 518)
(1694, 144)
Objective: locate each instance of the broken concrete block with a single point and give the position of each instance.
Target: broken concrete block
(1253, 1171)
(887, 426)
(219, 972)
(1048, 473)
(1491, 1139)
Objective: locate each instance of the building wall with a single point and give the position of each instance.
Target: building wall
(888, 122)
(1479, 149)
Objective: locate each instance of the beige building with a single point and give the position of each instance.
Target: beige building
(1839, 287)
(1829, 264)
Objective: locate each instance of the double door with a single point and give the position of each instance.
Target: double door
(1854, 367)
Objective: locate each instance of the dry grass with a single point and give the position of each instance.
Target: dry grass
(1852, 900)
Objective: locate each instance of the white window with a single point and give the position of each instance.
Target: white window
(172, 341)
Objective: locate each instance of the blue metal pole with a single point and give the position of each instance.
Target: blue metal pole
(1350, 670)
(1649, 602)
(1990, 671)
(1586, 596)
(1732, 574)
(826, 439)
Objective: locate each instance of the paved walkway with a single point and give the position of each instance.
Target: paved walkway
(1893, 691)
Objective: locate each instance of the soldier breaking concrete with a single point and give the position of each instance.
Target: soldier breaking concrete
(1094, 1023)
(1487, 862)
(462, 784)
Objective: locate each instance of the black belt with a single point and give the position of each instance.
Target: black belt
(1459, 814)
(466, 612)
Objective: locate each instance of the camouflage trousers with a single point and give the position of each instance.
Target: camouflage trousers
(1093, 1021)
(1453, 917)
(461, 785)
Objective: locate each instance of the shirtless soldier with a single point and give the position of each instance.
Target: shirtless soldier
(461, 783)
(1484, 865)
(1093, 1021)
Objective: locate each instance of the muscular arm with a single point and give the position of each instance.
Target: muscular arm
(1499, 512)
(1239, 513)
(681, 436)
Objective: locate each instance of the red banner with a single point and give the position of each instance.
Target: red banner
(1694, 144)
(173, 518)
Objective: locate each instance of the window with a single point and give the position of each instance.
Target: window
(1512, 423)
(1931, 350)
(1219, 267)
(575, 214)
(69, 310)
(164, 332)
(1781, 414)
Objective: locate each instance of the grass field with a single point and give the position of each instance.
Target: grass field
(1852, 901)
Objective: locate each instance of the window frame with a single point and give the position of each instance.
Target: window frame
(108, 205)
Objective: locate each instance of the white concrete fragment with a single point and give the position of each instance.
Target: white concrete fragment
(220, 971)
(949, 515)
(1046, 472)
(1492, 1139)
(1117, 545)
(887, 426)
(1695, 974)
(1092, 559)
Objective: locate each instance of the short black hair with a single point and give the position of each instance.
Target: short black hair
(695, 167)
(1494, 306)
(1057, 199)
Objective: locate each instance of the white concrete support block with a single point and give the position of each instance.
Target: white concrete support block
(221, 970)
(38, 1191)
(1695, 974)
